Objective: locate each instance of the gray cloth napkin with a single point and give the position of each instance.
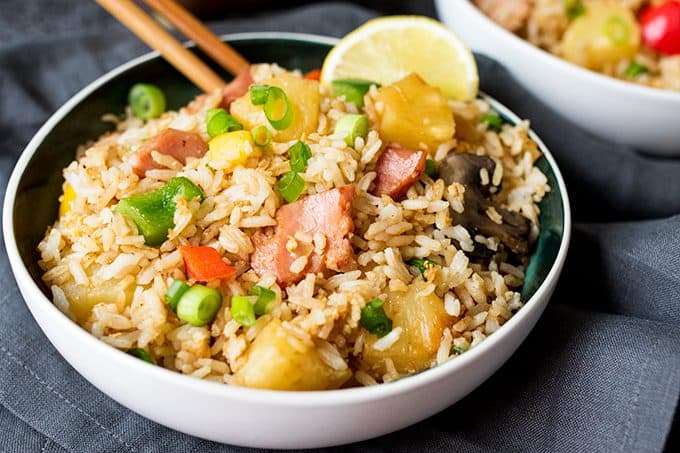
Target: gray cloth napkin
(601, 371)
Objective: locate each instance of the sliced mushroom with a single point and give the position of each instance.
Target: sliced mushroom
(466, 169)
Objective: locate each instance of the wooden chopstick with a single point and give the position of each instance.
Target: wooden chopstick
(149, 31)
(194, 29)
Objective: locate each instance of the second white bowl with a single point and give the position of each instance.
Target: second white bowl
(638, 116)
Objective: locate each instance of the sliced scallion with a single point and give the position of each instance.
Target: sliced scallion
(261, 136)
(299, 155)
(175, 293)
(431, 168)
(635, 69)
(494, 122)
(146, 100)
(458, 350)
(142, 354)
(258, 94)
(374, 319)
(265, 299)
(291, 186)
(278, 109)
(243, 310)
(351, 126)
(574, 8)
(354, 90)
(617, 30)
(199, 305)
(422, 264)
(218, 122)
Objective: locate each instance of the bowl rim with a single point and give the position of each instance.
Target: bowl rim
(601, 80)
(32, 294)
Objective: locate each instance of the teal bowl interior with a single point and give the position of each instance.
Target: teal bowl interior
(36, 202)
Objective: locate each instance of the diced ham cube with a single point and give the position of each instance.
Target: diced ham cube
(325, 215)
(236, 88)
(397, 170)
(172, 142)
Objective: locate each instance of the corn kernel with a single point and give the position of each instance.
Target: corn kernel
(67, 198)
(231, 149)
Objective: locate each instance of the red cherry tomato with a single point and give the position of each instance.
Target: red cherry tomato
(661, 27)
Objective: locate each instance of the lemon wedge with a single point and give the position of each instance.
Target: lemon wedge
(387, 49)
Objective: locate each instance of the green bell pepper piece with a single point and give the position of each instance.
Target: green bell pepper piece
(154, 212)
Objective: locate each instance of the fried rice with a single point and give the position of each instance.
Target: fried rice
(545, 22)
(103, 276)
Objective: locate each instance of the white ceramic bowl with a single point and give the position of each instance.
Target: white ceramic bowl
(642, 117)
(237, 415)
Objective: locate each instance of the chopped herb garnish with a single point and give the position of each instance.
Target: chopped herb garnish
(218, 122)
(199, 305)
(574, 8)
(265, 299)
(175, 293)
(458, 350)
(258, 94)
(146, 101)
(261, 135)
(299, 155)
(278, 109)
(422, 264)
(243, 310)
(635, 69)
(617, 30)
(142, 355)
(374, 319)
(494, 122)
(291, 186)
(431, 168)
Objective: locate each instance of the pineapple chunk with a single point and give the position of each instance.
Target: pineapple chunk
(414, 114)
(422, 320)
(606, 34)
(228, 150)
(83, 298)
(278, 360)
(303, 95)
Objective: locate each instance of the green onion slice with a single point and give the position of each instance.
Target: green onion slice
(243, 310)
(175, 293)
(494, 122)
(458, 350)
(352, 126)
(146, 100)
(291, 186)
(354, 90)
(299, 155)
(261, 136)
(259, 94)
(199, 305)
(574, 8)
(142, 354)
(431, 168)
(265, 299)
(635, 69)
(218, 122)
(278, 109)
(374, 319)
(422, 264)
(617, 30)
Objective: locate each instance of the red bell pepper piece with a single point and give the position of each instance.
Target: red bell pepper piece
(660, 26)
(314, 74)
(204, 264)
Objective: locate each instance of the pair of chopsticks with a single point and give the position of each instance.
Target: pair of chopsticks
(152, 33)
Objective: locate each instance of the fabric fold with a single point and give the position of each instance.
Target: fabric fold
(600, 372)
